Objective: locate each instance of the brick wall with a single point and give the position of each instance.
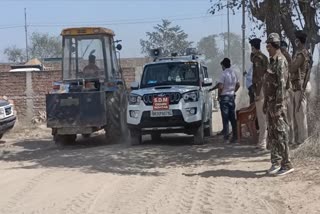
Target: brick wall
(4, 67)
(134, 62)
(56, 65)
(52, 65)
(41, 85)
(28, 89)
(129, 75)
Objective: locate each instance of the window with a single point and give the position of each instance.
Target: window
(175, 73)
(115, 68)
(205, 70)
(83, 57)
(108, 57)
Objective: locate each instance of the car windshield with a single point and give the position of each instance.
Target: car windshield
(174, 73)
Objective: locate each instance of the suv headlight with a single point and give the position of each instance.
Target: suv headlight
(192, 96)
(134, 99)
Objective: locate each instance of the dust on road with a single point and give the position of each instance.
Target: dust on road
(169, 176)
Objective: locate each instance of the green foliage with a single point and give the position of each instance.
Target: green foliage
(15, 54)
(171, 39)
(41, 45)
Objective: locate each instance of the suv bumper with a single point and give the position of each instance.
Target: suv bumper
(174, 124)
(7, 124)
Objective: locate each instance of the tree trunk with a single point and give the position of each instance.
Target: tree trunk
(273, 19)
(287, 24)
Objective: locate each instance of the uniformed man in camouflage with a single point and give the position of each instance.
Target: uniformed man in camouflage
(275, 107)
(290, 105)
(260, 65)
(300, 68)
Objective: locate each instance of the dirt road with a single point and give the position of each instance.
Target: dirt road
(167, 177)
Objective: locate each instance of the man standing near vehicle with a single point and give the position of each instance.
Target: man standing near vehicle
(227, 86)
(300, 75)
(275, 108)
(260, 65)
(290, 104)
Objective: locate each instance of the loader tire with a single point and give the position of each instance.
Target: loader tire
(116, 116)
(63, 140)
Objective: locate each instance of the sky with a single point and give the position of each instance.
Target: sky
(129, 19)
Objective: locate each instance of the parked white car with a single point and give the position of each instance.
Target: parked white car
(7, 117)
(172, 97)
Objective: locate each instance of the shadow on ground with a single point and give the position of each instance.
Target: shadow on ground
(151, 158)
(230, 173)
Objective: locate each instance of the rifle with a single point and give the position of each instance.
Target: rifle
(305, 81)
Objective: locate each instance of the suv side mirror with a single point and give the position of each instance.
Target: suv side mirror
(134, 85)
(207, 82)
(119, 47)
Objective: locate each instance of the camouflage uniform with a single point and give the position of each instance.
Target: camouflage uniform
(260, 65)
(290, 100)
(275, 106)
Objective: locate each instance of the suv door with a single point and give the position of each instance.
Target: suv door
(207, 94)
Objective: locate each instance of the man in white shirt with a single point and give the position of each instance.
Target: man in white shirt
(228, 85)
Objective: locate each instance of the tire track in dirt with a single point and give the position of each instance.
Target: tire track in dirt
(269, 203)
(149, 193)
(85, 200)
(133, 201)
(82, 202)
(165, 195)
(250, 198)
(100, 194)
(182, 197)
(212, 197)
(173, 194)
(115, 200)
(44, 209)
(30, 185)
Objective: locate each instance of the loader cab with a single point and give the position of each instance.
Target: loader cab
(89, 54)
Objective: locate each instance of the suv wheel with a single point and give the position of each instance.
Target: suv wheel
(135, 138)
(199, 135)
(1, 135)
(208, 130)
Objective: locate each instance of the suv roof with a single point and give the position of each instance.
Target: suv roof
(162, 60)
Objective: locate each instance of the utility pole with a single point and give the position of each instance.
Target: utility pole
(228, 21)
(224, 43)
(26, 32)
(243, 40)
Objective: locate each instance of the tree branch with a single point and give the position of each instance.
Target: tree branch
(309, 14)
(287, 23)
(258, 11)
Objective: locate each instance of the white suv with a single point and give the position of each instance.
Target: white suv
(172, 97)
(7, 117)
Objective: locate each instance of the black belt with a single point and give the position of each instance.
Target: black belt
(227, 95)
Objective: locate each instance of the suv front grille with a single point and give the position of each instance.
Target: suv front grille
(174, 97)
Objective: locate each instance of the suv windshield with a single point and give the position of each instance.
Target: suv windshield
(173, 73)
